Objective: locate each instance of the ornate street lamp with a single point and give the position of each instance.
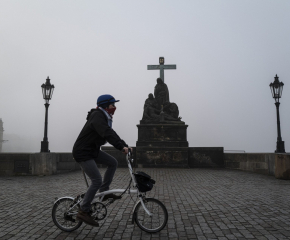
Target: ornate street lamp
(47, 90)
(276, 89)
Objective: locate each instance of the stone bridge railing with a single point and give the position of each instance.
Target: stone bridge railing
(277, 165)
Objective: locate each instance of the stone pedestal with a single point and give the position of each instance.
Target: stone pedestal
(162, 145)
(162, 135)
(176, 157)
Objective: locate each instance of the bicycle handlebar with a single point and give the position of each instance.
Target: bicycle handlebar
(129, 151)
(130, 155)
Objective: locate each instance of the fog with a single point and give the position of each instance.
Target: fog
(227, 53)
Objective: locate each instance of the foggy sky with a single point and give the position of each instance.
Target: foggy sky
(227, 53)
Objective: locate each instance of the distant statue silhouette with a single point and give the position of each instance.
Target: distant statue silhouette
(171, 109)
(151, 112)
(161, 93)
(151, 101)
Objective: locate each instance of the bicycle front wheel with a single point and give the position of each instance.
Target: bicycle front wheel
(154, 223)
(64, 214)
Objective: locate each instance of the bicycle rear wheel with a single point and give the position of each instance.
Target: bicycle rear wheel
(64, 216)
(157, 221)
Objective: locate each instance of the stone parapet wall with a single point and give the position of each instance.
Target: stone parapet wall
(201, 157)
(47, 163)
(53, 163)
(282, 166)
(263, 163)
(66, 163)
(15, 163)
(277, 165)
(36, 163)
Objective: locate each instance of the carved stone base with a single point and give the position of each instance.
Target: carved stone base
(162, 157)
(196, 157)
(162, 135)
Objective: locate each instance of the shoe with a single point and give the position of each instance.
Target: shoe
(111, 195)
(87, 218)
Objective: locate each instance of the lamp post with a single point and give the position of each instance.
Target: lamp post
(276, 89)
(47, 90)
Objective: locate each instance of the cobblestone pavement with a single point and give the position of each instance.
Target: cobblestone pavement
(202, 204)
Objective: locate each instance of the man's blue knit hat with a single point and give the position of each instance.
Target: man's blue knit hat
(103, 99)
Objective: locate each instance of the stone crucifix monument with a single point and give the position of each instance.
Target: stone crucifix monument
(157, 107)
(162, 135)
(161, 67)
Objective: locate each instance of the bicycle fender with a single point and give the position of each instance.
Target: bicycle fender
(62, 198)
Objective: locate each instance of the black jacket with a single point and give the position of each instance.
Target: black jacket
(94, 134)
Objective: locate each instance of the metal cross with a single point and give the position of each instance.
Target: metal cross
(161, 67)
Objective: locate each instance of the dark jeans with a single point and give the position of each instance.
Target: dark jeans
(91, 169)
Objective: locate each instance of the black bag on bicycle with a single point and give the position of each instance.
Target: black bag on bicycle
(144, 181)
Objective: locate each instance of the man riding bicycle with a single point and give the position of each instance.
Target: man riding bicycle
(86, 151)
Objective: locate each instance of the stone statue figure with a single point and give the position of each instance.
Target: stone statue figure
(151, 101)
(152, 113)
(161, 93)
(171, 109)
